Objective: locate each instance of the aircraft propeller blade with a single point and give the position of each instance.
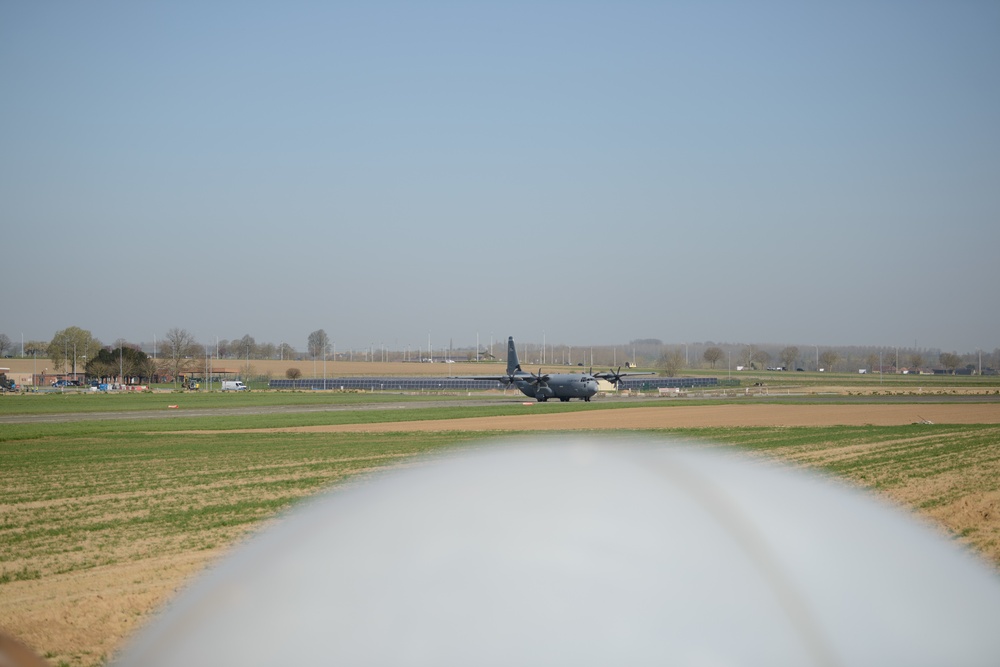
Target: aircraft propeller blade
(613, 376)
(539, 379)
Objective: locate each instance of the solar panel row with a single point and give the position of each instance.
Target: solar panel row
(446, 384)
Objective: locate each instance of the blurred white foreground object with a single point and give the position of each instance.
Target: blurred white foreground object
(577, 552)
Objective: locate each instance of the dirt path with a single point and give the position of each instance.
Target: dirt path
(689, 416)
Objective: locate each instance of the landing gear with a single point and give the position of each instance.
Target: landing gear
(564, 399)
(541, 399)
(586, 399)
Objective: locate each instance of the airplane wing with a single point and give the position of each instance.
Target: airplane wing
(614, 377)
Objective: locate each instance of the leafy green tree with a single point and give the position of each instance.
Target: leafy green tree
(69, 344)
(712, 355)
(122, 362)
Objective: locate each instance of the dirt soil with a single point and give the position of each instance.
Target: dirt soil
(692, 416)
(87, 614)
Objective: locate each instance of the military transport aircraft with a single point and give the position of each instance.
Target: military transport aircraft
(563, 386)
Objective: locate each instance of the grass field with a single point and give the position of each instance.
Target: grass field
(102, 521)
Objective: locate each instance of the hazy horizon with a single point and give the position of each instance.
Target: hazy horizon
(388, 172)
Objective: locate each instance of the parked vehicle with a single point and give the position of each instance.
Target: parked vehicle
(234, 385)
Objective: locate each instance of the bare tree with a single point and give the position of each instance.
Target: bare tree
(5, 344)
(150, 369)
(179, 351)
(671, 362)
(293, 373)
(871, 362)
(950, 361)
(286, 351)
(916, 360)
(760, 359)
(245, 348)
(789, 356)
(828, 358)
(33, 348)
(712, 355)
(319, 344)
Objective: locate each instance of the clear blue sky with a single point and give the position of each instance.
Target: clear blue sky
(594, 172)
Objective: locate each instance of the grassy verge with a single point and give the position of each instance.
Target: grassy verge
(87, 494)
(222, 422)
(77, 502)
(81, 401)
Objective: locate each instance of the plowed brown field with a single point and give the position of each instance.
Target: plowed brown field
(694, 416)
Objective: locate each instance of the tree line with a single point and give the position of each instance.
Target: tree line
(76, 349)
(832, 359)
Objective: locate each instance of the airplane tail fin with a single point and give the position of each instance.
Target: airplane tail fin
(512, 363)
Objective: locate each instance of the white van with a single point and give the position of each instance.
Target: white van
(234, 385)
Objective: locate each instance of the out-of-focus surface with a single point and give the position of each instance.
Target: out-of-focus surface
(578, 552)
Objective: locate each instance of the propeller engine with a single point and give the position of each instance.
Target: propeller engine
(539, 380)
(612, 376)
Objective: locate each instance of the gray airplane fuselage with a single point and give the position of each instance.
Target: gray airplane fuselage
(543, 386)
(563, 386)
